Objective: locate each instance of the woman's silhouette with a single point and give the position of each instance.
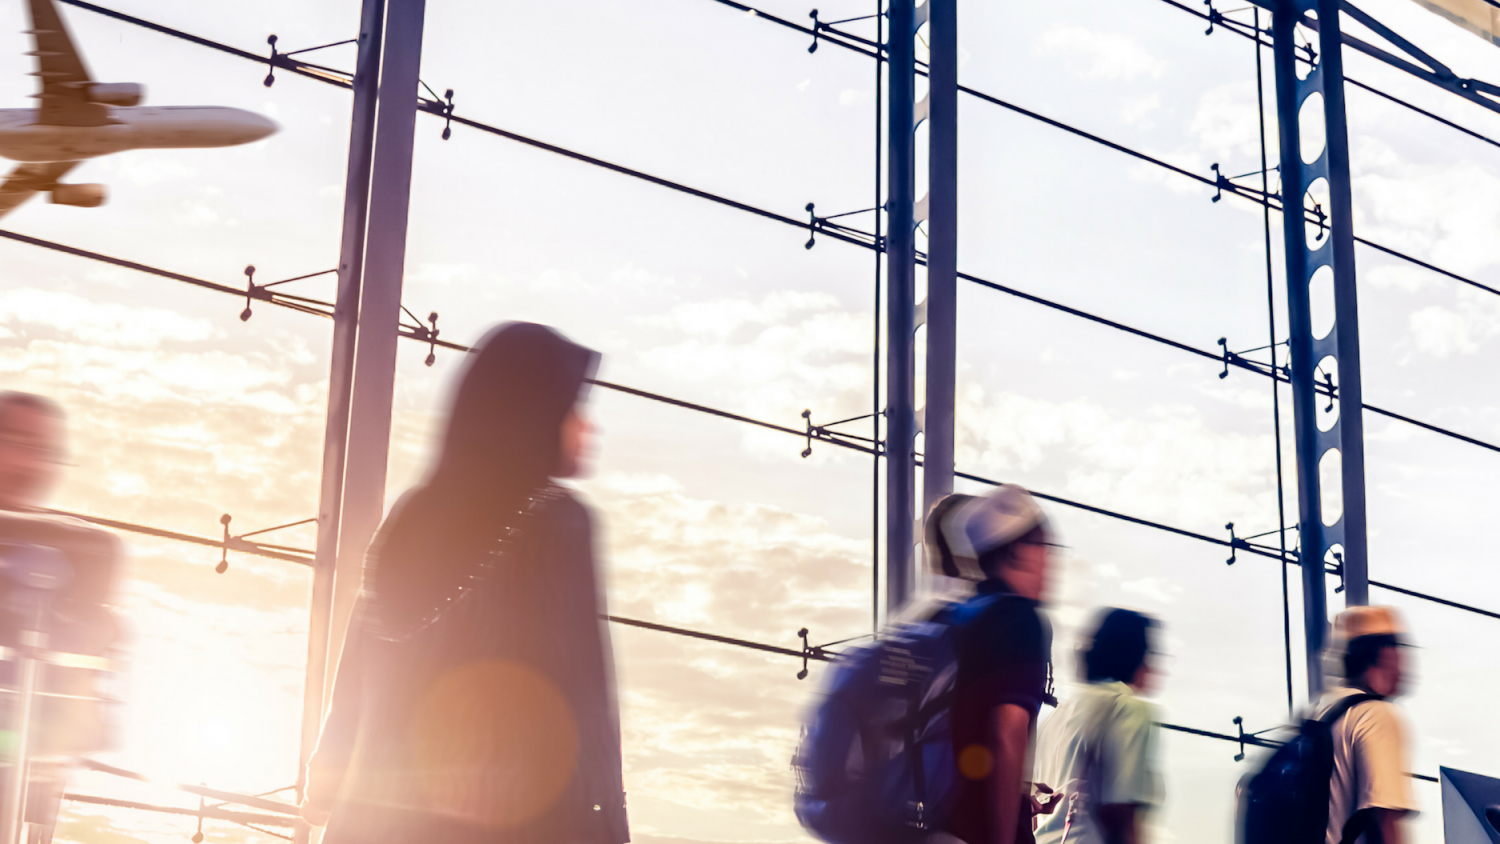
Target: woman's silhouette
(474, 697)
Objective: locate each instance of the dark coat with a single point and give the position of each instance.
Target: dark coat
(495, 723)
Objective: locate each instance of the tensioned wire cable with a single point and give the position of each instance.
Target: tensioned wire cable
(333, 77)
(829, 437)
(845, 234)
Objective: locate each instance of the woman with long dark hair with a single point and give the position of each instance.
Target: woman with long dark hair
(474, 697)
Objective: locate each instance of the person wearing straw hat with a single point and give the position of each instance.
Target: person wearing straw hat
(1370, 791)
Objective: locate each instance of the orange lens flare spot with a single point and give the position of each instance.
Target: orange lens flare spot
(495, 743)
(975, 762)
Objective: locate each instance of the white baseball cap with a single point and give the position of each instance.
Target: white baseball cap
(999, 518)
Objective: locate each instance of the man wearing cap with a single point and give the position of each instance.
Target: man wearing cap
(1370, 791)
(1000, 541)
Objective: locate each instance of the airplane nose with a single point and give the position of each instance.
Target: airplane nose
(257, 126)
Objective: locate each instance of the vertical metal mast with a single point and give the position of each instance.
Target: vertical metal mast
(341, 371)
(900, 423)
(367, 315)
(940, 310)
(379, 303)
(1317, 362)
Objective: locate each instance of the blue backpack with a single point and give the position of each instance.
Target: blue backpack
(876, 763)
(1287, 801)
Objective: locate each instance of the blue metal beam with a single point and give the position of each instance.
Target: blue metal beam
(1337, 353)
(900, 409)
(941, 307)
(1425, 67)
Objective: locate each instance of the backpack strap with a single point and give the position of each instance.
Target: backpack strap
(1359, 822)
(1341, 707)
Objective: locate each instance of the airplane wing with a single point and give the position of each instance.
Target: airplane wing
(28, 179)
(65, 81)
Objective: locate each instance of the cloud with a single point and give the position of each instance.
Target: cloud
(1443, 332)
(1444, 212)
(772, 357)
(1101, 55)
(1137, 110)
(707, 724)
(1225, 127)
(1165, 462)
(106, 325)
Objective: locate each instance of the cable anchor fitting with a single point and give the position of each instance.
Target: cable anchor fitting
(1247, 738)
(271, 72)
(826, 224)
(1235, 544)
(1214, 17)
(807, 653)
(278, 58)
(260, 291)
(425, 333)
(240, 543)
(1238, 359)
(438, 107)
(821, 432)
(1338, 569)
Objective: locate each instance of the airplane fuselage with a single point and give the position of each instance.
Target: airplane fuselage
(23, 138)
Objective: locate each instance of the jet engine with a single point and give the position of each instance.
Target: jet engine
(117, 93)
(83, 196)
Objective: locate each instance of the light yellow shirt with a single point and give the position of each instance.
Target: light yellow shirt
(1110, 717)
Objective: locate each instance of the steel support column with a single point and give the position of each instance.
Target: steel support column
(935, 419)
(900, 408)
(366, 316)
(341, 374)
(379, 304)
(1330, 443)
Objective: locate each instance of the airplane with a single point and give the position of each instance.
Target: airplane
(79, 119)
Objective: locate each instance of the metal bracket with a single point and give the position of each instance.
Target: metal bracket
(258, 291)
(1245, 738)
(1238, 359)
(239, 543)
(1214, 17)
(1243, 543)
(819, 26)
(816, 224)
(275, 56)
(438, 107)
(821, 652)
(821, 432)
(425, 333)
(1221, 182)
(1338, 569)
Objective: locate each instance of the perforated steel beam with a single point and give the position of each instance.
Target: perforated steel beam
(1330, 443)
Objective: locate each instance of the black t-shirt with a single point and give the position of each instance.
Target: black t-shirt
(1003, 657)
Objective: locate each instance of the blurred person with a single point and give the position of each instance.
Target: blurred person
(474, 699)
(1000, 541)
(1098, 749)
(74, 718)
(1369, 792)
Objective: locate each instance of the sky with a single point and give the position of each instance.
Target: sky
(181, 412)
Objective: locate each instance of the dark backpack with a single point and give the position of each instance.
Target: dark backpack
(1287, 801)
(876, 764)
